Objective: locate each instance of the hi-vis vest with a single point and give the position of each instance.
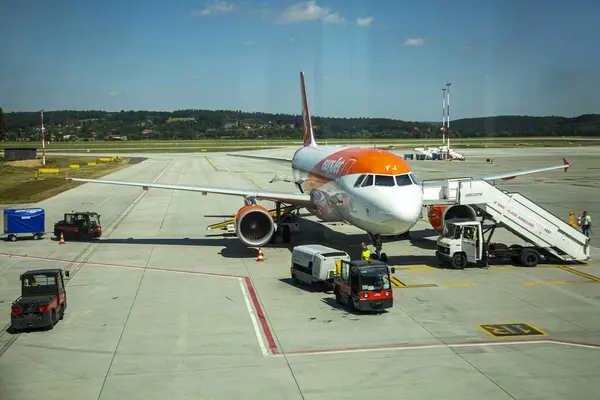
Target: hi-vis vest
(366, 254)
(587, 220)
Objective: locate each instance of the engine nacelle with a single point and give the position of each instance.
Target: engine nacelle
(438, 215)
(254, 225)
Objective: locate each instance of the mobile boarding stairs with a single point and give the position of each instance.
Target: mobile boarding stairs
(513, 211)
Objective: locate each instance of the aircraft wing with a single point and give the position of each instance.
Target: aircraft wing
(276, 159)
(431, 187)
(513, 174)
(284, 197)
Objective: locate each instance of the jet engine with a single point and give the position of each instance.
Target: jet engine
(439, 215)
(254, 225)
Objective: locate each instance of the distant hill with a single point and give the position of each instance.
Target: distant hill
(200, 124)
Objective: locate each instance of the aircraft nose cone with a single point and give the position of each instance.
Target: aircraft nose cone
(406, 204)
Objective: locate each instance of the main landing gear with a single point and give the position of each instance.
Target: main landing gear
(285, 223)
(377, 242)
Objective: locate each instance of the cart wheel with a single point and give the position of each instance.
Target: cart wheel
(62, 311)
(12, 238)
(383, 258)
(338, 297)
(295, 280)
(36, 236)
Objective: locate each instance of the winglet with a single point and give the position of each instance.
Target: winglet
(566, 163)
(309, 139)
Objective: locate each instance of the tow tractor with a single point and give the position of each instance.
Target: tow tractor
(363, 285)
(79, 225)
(43, 300)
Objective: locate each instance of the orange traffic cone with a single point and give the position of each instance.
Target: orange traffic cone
(260, 256)
(62, 239)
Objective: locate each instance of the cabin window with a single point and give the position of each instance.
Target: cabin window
(359, 180)
(403, 180)
(368, 181)
(384, 180)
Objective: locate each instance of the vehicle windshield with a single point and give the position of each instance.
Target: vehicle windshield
(39, 284)
(375, 278)
(452, 231)
(94, 220)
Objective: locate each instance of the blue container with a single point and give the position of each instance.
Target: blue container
(24, 220)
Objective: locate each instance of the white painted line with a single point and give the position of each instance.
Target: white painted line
(449, 345)
(253, 317)
(500, 343)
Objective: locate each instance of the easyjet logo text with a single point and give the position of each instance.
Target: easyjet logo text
(332, 167)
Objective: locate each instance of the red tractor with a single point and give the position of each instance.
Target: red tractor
(79, 226)
(43, 300)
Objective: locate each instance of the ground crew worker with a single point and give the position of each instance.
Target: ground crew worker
(366, 253)
(586, 223)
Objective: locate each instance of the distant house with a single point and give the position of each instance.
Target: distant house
(115, 137)
(230, 125)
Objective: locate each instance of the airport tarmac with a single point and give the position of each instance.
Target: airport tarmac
(161, 308)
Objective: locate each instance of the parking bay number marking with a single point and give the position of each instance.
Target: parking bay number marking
(512, 329)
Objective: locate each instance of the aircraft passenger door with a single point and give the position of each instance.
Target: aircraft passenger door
(469, 243)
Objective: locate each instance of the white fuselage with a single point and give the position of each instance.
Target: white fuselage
(377, 209)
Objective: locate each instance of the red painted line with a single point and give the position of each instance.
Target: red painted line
(261, 317)
(251, 291)
(577, 343)
(417, 346)
(364, 348)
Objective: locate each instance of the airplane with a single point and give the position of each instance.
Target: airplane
(372, 189)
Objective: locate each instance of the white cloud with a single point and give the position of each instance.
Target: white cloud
(249, 43)
(334, 18)
(414, 42)
(364, 22)
(215, 7)
(114, 93)
(308, 11)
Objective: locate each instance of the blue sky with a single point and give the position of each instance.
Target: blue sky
(381, 58)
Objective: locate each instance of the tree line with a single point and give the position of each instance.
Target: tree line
(210, 124)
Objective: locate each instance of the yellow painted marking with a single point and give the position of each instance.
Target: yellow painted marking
(420, 285)
(463, 284)
(396, 282)
(49, 170)
(92, 164)
(105, 159)
(74, 166)
(556, 283)
(583, 274)
(211, 164)
(511, 329)
(250, 180)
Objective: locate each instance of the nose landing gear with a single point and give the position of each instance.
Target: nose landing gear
(377, 242)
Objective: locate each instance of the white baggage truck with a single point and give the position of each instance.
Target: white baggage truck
(315, 264)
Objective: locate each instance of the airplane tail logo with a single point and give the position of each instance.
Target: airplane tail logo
(309, 139)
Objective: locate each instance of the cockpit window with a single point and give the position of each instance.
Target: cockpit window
(359, 180)
(403, 180)
(384, 180)
(368, 181)
(414, 178)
